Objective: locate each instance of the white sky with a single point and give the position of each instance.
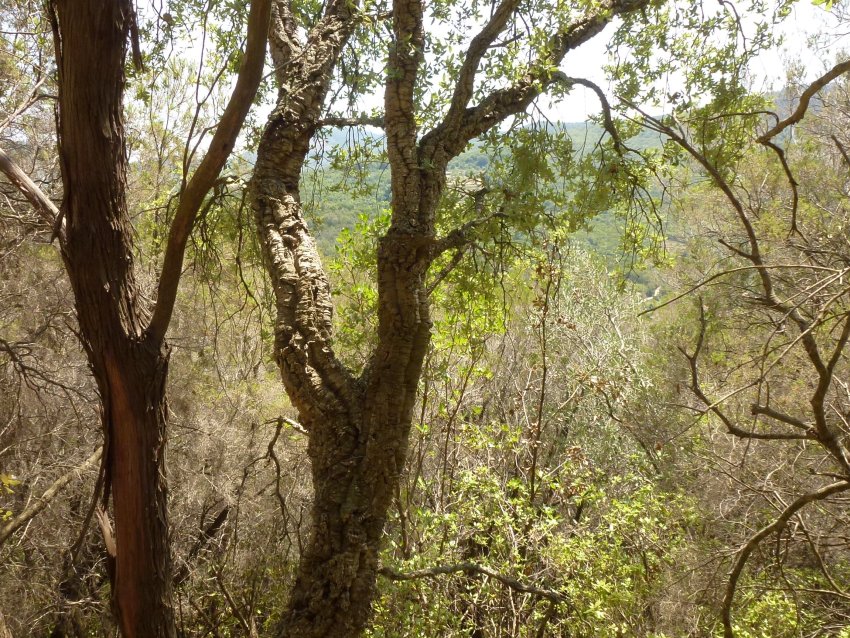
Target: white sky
(769, 70)
(806, 21)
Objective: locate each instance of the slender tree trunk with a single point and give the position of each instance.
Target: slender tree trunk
(124, 340)
(357, 427)
(130, 369)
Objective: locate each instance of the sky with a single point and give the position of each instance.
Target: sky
(769, 70)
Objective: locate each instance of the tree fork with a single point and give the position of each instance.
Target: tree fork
(126, 351)
(358, 427)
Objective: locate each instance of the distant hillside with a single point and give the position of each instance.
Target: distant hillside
(335, 200)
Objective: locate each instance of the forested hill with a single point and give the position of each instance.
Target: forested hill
(240, 398)
(336, 199)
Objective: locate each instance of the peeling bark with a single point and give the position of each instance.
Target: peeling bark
(96, 247)
(125, 346)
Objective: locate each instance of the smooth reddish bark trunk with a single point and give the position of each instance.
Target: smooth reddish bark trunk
(91, 45)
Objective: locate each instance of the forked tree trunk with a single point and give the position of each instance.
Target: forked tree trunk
(357, 426)
(91, 42)
(335, 580)
(336, 576)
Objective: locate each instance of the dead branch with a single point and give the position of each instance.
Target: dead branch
(45, 499)
(750, 546)
(552, 595)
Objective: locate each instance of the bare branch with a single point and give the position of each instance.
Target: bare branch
(16, 522)
(716, 276)
(714, 407)
(819, 558)
(205, 537)
(247, 83)
(841, 150)
(343, 122)
(445, 271)
(806, 97)
(792, 182)
(249, 627)
(607, 118)
(826, 435)
(471, 568)
(295, 425)
(33, 97)
(20, 180)
(750, 546)
(755, 255)
(766, 410)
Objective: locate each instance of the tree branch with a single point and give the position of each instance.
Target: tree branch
(284, 42)
(33, 97)
(750, 546)
(405, 58)
(43, 205)
(716, 276)
(696, 388)
(44, 500)
(204, 538)
(826, 435)
(607, 117)
(478, 47)
(445, 271)
(503, 103)
(755, 255)
(343, 122)
(247, 83)
(806, 97)
(767, 411)
(315, 378)
(460, 237)
(792, 182)
(845, 156)
(249, 627)
(471, 568)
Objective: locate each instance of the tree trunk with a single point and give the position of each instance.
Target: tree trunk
(130, 369)
(357, 427)
(336, 573)
(136, 422)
